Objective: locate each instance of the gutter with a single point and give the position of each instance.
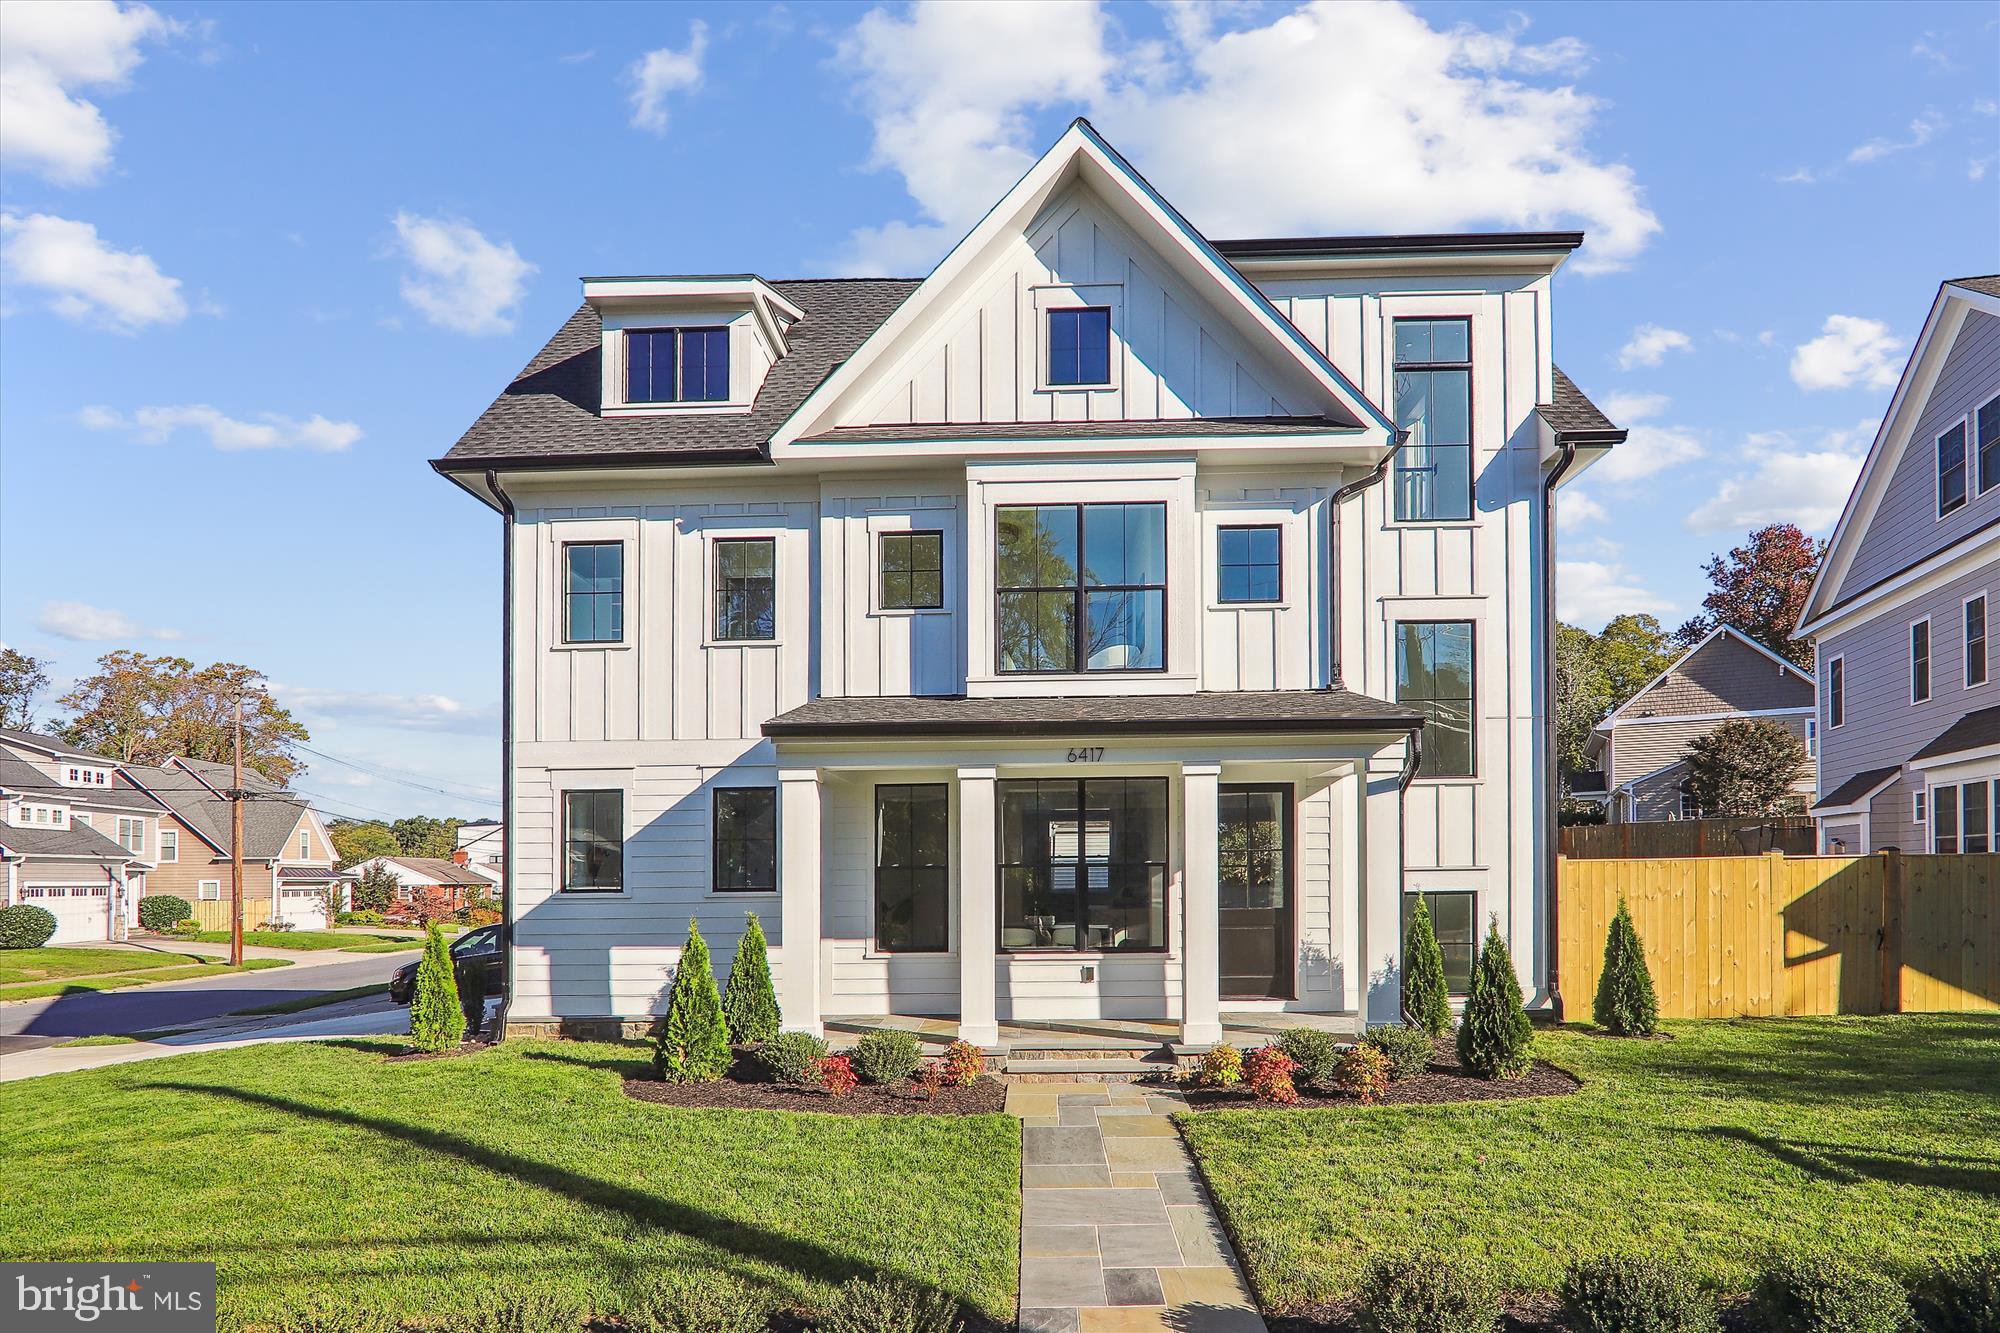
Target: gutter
(499, 1030)
(1551, 833)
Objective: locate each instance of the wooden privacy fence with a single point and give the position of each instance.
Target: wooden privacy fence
(215, 915)
(1785, 936)
(1690, 837)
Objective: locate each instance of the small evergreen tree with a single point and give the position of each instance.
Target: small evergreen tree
(693, 1045)
(750, 1005)
(1493, 1039)
(1625, 1001)
(1426, 1003)
(437, 1023)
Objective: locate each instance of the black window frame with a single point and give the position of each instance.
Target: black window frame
(1399, 469)
(1222, 597)
(1986, 440)
(1920, 660)
(1836, 693)
(570, 836)
(1470, 945)
(721, 620)
(1425, 768)
(1049, 347)
(1953, 475)
(718, 845)
(1968, 640)
(676, 335)
(615, 599)
(940, 792)
(1081, 803)
(1080, 590)
(883, 574)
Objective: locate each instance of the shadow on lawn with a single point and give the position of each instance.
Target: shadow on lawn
(1850, 1164)
(638, 1064)
(1826, 1062)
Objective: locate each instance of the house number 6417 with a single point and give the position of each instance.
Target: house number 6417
(1086, 754)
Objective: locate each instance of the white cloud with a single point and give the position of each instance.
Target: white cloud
(421, 712)
(1630, 408)
(1976, 168)
(50, 52)
(1849, 351)
(1790, 483)
(1922, 130)
(1923, 50)
(1648, 450)
(1590, 592)
(270, 430)
(94, 624)
(86, 280)
(1241, 126)
(664, 71)
(1649, 345)
(1574, 509)
(460, 280)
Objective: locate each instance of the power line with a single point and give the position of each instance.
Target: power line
(405, 777)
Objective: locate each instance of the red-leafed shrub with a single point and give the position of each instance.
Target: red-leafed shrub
(1268, 1071)
(1364, 1072)
(931, 1078)
(963, 1064)
(836, 1074)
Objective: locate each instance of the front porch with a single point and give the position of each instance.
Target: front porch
(1094, 1047)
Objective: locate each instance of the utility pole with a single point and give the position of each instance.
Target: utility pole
(236, 848)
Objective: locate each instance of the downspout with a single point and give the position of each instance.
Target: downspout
(1551, 832)
(507, 830)
(1341, 497)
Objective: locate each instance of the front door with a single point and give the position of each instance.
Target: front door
(1255, 893)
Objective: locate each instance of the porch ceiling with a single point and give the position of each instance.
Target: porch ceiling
(1289, 712)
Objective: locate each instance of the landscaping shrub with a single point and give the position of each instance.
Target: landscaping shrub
(888, 1306)
(1625, 1004)
(189, 927)
(1409, 1049)
(793, 1058)
(526, 1310)
(836, 1074)
(751, 1006)
(693, 1045)
(1314, 1052)
(963, 1064)
(1363, 1072)
(1825, 1294)
(158, 912)
(25, 926)
(1268, 1070)
(887, 1057)
(1494, 1037)
(1635, 1294)
(700, 1302)
(360, 919)
(1220, 1066)
(1426, 1002)
(1428, 1291)
(1960, 1294)
(437, 1022)
(931, 1078)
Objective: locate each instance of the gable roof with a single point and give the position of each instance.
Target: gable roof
(438, 870)
(1570, 412)
(1862, 787)
(51, 745)
(1975, 731)
(76, 841)
(1719, 633)
(268, 816)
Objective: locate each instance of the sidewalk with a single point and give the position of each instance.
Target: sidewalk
(368, 1017)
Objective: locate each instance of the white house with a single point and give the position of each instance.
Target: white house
(1064, 636)
(482, 849)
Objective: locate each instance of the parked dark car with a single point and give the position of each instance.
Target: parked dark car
(477, 958)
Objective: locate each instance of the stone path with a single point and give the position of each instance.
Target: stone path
(1117, 1233)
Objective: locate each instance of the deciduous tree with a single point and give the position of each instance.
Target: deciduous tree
(1745, 769)
(146, 710)
(421, 835)
(22, 680)
(355, 841)
(1760, 588)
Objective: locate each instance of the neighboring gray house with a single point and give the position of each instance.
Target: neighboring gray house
(1641, 746)
(1900, 613)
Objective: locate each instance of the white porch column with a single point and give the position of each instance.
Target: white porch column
(1201, 953)
(798, 885)
(1382, 886)
(978, 908)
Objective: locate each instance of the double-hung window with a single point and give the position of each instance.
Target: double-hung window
(1249, 564)
(208, 890)
(132, 835)
(1080, 347)
(912, 868)
(1962, 818)
(1434, 404)
(170, 846)
(1920, 661)
(1951, 469)
(1083, 864)
(1975, 640)
(1988, 425)
(593, 841)
(745, 840)
(1452, 923)
(1434, 676)
(1081, 587)
(689, 365)
(594, 592)
(746, 586)
(912, 571)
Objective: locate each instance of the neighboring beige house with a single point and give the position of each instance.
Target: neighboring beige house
(1641, 746)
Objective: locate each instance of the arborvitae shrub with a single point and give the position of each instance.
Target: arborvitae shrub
(1960, 1294)
(888, 1056)
(1315, 1052)
(159, 911)
(1494, 1036)
(1635, 1294)
(1426, 1002)
(1409, 1049)
(751, 1006)
(693, 1045)
(793, 1058)
(437, 1023)
(1626, 1004)
(1825, 1294)
(1428, 1291)
(26, 926)
(888, 1306)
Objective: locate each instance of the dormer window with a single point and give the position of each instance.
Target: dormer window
(680, 365)
(1080, 346)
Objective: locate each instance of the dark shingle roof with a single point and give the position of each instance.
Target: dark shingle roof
(1588, 781)
(1568, 411)
(1988, 285)
(1971, 732)
(72, 841)
(1865, 783)
(17, 774)
(38, 740)
(268, 820)
(551, 408)
(438, 870)
(1084, 430)
(1136, 714)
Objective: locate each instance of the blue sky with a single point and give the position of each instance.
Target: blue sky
(261, 262)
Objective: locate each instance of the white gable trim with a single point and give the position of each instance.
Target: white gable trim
(1718, 632)
(1082, 151)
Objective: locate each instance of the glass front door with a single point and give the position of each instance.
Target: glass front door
(1255, 893)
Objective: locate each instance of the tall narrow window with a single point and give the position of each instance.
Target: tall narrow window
(1920, 661)
(1917, 806)
(594, 597)
(593, 841)
(1951, 469)
(1434, 404)
(746, 602)
(1836, 692)
(1989, 445)
(305, 845)
(912, 571)
(1944, 820)
(1080, 346)
(1975, 641)
(1434, 676)
(1451, 920)
(677, 365)
(1812, 737)
(1083, 865)
(170, 846)
(1104, 611)
(745, 837)
(1976, 823)
(1248, 567)
(912, 868)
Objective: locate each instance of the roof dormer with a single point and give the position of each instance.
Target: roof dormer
(687, 345)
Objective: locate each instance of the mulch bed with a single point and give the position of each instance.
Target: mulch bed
(1444, 1082)
(746, 1087)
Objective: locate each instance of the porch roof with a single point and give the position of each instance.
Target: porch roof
(1205, 713)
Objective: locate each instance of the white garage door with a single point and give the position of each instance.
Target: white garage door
(302, 909)
(82, 911)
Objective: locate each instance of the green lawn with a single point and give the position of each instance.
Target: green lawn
(54, 964)
(41, 990)
(1869, 1136)
(316, 1172)
(384, 946)
(309, 941)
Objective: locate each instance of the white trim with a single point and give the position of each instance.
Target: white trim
(1939, 512)
(1946, 760)
(1926, 576)
(202, 884)
(1919, 809)
(1612, 720)
(1930, 651)
(1859, 805)
(1985, 641)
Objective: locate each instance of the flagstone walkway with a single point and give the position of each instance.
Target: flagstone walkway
(1117, 1233)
